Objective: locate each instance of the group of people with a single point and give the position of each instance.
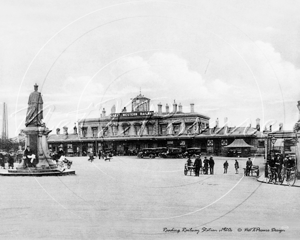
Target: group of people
(278, 161)
(10, 160)
(28, 156)
(208, 164)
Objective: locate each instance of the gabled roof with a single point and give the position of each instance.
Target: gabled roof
(239, 143)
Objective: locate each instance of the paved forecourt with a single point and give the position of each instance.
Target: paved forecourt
(133, 198)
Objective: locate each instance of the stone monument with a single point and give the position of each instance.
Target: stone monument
(36, 134)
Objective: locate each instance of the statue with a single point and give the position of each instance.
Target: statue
(34, 114)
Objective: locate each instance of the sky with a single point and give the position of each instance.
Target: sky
(233, 59)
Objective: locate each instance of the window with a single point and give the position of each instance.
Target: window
(94, 131)
(261, 143)
(189, 129)
(114, 130)
(176, 128)
(84, 131)
(163, 129)
(105, 131)
(137, 129)
(125, 128)
(150, 129)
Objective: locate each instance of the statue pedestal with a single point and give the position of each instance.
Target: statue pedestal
(36, 139)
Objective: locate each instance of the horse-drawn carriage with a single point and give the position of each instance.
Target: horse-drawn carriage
(189, 169)
(253, 171)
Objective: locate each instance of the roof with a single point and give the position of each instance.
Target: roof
(282, 134)
(238, 143)
(62, 137)
(140, 96)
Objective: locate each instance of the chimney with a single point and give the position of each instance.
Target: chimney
(180, 107)
(258, 124)
(113, 109)
(225, 121)
(192, 107)
(65, 130)
(57, 131)
(159, 107)
(75, 129)
(280, 126)
(174, 107)
(225, 125)
(167, 108)
(217, 123)
(103, 112)
(270, 128)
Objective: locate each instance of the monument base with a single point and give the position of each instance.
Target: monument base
(34, 172)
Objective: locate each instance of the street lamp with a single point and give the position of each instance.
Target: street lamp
(269, 156)
(273, 141)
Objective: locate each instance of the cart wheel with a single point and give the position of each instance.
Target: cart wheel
(292, 178)
(282, 176)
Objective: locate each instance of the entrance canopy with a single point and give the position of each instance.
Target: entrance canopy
(239, 143)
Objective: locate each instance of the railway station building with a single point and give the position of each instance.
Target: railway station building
(127, 132)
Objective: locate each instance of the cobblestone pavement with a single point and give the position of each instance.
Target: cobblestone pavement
(132, 198)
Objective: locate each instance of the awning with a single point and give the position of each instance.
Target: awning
(239, 143)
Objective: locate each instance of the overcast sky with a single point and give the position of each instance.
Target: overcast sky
(235, 59)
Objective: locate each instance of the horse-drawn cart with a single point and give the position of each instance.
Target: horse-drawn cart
(254, 171)
(189, 169)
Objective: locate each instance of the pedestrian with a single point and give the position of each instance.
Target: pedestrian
(61, 163)
(189, 161)
(2, 161)
(205, 162)
(11, 160)
(19, 154)
(248, 166)
(225, 165)
(211, 165)
(27, 157)
(197, 165)
(91, 156)
(99, 153)
(236, 166)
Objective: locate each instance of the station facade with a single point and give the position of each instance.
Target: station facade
(129, 131)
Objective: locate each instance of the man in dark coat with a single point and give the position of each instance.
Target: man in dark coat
(248, 166)
(60, 153)
(211, 165)
(2, 161)
(236, 166)
(198, 165)
(205, 162)
(11, 160)
(225, 165)
(27, 157)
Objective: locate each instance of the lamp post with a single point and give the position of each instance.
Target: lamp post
(273, 140)
(269, 156)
